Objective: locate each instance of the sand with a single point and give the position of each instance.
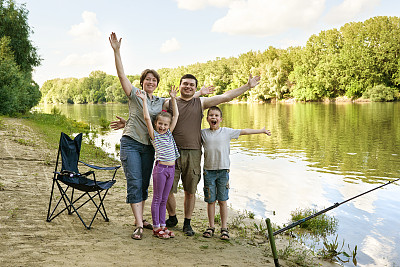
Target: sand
(26, 239)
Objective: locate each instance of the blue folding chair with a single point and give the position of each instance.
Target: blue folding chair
(68, 179)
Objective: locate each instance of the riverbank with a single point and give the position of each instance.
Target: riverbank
(26, 166)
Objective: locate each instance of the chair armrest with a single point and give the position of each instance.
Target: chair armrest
(100, 168)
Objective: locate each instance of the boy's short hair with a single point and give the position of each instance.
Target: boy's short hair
(214, 108)
(188, 76)
(147, 71)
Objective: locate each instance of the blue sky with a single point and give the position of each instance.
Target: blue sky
(72, 35)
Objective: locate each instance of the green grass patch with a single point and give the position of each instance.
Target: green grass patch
(321, 225)
(104, 123)
(25, 142)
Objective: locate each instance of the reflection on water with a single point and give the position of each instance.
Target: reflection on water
(318, 154)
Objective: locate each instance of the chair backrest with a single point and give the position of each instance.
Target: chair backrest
(70, 150)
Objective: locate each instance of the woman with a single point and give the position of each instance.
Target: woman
(137, 152)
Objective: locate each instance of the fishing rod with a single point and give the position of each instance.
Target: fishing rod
(329, 208)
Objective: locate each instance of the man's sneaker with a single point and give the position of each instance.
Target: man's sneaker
(187, 229)
(171, 222)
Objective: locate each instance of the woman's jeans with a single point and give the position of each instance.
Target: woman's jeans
(137, 160)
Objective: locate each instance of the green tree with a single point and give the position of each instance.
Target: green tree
(17, 93)
(14, 23)
(19, 56)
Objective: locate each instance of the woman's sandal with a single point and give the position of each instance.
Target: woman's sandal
(160, 234)
(147, 225)
(224, 234)
(168, 232)
(138, 233)
(209, 232)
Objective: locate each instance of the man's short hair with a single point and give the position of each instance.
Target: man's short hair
(188, 76)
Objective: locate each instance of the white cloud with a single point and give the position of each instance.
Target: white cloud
(170, 45)
(349, 10)
(87, 51)
(86, 30)
(200, 4)
(264, 18)
(92, 60)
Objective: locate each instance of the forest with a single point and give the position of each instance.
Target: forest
(359, 60)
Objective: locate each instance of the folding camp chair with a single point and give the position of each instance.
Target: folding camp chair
(69, 179)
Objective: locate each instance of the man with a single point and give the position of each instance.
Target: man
(187, 135)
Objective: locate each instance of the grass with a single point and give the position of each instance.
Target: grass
(321, 225)
(25, 142)
(51, 125)
(104, 123)
(333, 251)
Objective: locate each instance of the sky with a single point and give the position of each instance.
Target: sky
(72, 35)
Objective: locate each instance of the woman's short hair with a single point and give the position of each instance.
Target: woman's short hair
(147, 71)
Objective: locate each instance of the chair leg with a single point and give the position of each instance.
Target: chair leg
(51, 197)
(72, 199)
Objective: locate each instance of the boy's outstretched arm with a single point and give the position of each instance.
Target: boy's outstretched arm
(255, 131)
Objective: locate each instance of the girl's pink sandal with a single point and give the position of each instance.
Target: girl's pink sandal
(160, 234)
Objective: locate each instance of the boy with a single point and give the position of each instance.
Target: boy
(216, 144)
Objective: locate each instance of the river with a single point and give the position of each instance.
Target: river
(319, 154)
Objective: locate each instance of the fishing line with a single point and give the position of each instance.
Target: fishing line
(329, 208)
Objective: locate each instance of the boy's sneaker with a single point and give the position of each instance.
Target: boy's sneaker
(187, 229)
(171, 222)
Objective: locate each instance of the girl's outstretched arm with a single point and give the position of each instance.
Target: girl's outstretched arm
(146, 114)
(175, 114)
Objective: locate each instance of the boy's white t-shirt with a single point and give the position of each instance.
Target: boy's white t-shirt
(216, 146)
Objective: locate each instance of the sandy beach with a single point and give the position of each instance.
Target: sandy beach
(26, 171)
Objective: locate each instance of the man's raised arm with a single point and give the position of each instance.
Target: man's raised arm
(229, 95)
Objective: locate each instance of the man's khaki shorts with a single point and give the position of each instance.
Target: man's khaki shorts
(188, 169)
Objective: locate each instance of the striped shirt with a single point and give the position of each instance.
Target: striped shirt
(165, 147)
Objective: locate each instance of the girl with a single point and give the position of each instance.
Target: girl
(166, 153)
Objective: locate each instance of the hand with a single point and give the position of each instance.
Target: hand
(267, 132)
(174, 91)
(119, 124)
(207, 90)
(253, 81)
(115, 44)
(141, 94)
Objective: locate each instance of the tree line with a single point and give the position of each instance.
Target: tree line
(18, 92)
(361, 59)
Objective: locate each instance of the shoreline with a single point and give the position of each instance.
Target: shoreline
(27, 165)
